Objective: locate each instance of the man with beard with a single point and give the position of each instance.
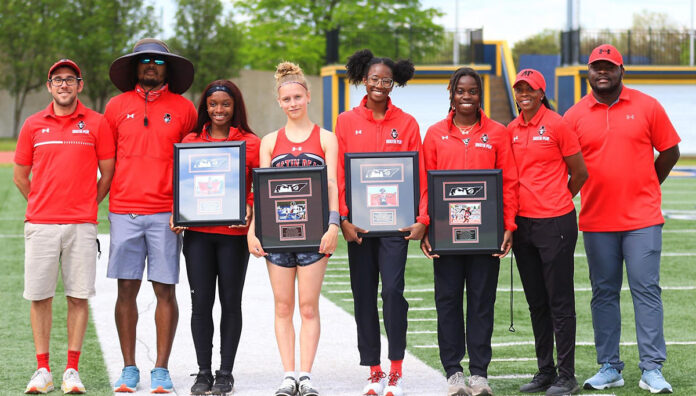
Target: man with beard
(147, 119)
(61, 147)
(618, 129)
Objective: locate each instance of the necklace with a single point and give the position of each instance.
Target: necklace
(464, 129)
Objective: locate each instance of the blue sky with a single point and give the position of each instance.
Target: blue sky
(513, 20)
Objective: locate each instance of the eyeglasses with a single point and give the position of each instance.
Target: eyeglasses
(69, 81)
(158, 62)
(375, 80)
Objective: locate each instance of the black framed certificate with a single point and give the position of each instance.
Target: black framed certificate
(382, 191)
(290, 208)
(466, 211)
(209, 183)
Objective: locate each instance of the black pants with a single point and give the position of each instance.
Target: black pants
(544, 250)
(211, 258)
(375, 257)
(479, 273)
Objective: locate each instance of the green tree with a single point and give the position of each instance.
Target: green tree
(296, 30)
(97, 32)
(26, 47)
(209, 39)
(545, 42)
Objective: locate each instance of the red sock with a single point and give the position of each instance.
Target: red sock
(375, 369)
(73, 360)
(42, 361)
(396, 366)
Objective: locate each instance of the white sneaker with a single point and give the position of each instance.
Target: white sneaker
(457, 386)
(375, 384)
(394, 385)
(71, 382)
(479, 386)
(41, 382)
(287, 388)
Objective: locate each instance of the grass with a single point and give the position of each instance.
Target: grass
(678, 307)
(678, 194)
(8, 144)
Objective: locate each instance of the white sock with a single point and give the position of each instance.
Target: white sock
(289, 374)
(305, 374)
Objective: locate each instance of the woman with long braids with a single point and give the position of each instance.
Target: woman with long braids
(545, 151)
(219, 254)
(373, 126)
(467, 139)
(299, 143)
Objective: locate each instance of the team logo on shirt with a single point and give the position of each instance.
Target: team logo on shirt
(484, 138)
(46, 130)
(394, 137)
(358, 131)
(81, 125)
(131, 115)
(541, 132)
(81, 128)
(516, 138)
(466, 141)
(444, 137)
(630, 116)
(167, 118)
(297, 148)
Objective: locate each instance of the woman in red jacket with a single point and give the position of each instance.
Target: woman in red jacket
(467, 139)
(219, 253)
(545, 150)
(377, 125)
(300, 142)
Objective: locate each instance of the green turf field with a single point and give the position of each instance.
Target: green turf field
(16, 346)
(510, 362)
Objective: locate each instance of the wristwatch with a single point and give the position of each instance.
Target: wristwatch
(343, 218)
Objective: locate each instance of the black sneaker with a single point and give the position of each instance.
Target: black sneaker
(563, 386)
(204, 380)
(288, 387)
(224, 381)
(306, 388)
(540, 383)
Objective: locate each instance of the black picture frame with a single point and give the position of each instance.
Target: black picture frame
(291, 208)
(209, 184)
(466, 211)
(382, 191)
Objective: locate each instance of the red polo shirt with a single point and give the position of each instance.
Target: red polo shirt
(63, 152)
(622, 192)
(142, 181)
(539, 147)
(486, 146)
(358, 132)
(252, 161)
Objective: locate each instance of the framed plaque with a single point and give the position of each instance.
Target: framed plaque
(290, 208)
(209, 183)
(466, 211)
(382, 191)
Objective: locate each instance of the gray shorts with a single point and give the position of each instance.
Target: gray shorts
(136, 237)
(294, 259)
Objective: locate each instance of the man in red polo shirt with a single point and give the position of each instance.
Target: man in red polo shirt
(147, 119)
(61, 147)
(619, 128)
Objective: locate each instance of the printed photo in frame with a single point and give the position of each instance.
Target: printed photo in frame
(290, 207)
(377, 181)
(466, 211)
(209, 184)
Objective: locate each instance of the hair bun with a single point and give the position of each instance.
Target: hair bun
(287, 68)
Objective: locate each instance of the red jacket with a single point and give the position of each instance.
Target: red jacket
(486, 146)
(252, 161)
(358, 132)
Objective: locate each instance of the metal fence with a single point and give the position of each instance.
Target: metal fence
(637, 46)
(422, 47)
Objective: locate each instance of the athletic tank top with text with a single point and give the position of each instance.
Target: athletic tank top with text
(291, 154)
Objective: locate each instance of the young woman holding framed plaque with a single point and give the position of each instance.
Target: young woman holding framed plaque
(376, 125)
(299, 143)
(467, 139)
(546, 150)
(219, 254)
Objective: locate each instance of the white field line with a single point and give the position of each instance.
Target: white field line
(410, 299)
(522, 359)
(664, 254)
(579, 343)
(415, 308)
(519, 290)
(336, 283)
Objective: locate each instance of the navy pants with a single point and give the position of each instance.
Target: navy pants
(478, 275)
(377, 257)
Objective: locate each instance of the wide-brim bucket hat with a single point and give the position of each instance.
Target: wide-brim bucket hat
(179, 69)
